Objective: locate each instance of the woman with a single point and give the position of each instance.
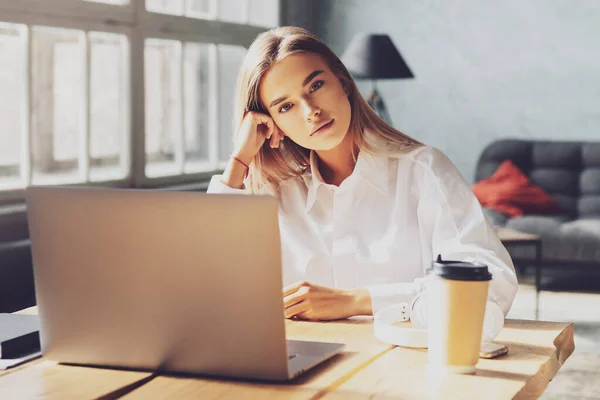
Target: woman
(363, 208)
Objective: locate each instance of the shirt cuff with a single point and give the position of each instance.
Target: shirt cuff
(216, 186)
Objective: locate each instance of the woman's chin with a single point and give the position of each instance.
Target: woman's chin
(328, 142)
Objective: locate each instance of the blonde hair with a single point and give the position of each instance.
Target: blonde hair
(273, 166)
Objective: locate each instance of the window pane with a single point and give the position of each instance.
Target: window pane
(163, 105)
(200, 8)
(230, 59)
(165, 6)
(196, 112)
(264, 13)
(193, 8)
(12, 73)
(108, 105)
(254, 12)
(233, 11)
(57, 63)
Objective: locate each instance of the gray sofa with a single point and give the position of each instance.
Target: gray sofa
(570, 173)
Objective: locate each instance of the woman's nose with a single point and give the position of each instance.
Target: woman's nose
(311, 110)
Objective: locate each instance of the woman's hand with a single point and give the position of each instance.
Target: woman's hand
(254, 130)
(312, 302)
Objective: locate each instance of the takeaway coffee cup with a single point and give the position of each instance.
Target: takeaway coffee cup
(456, 297)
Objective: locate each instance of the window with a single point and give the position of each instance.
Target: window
(12, 77)
(135, 93)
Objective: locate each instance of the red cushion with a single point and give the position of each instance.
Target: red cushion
(511, 192)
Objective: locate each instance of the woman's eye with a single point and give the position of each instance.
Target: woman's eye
(285, 107)
(316, 85)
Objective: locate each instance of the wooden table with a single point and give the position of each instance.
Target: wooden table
(510, 237)
(367, 368)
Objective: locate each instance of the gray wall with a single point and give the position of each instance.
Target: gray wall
(300, 13)
(484, 69)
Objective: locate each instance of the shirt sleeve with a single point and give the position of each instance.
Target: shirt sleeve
(216, 186)
(452, 224)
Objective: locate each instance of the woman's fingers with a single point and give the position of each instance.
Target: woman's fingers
(299, 308)
(275, 138)
(278, 138)
(295, 298)
(273, 134)
(263, 119)
(294, 287)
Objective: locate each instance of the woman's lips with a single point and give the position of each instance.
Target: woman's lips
(323, 128)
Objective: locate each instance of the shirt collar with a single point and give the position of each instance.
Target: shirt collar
(313, 179)
(373, 169)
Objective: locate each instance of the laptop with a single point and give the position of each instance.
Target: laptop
(169, 281)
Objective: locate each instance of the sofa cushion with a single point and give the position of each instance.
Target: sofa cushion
(590, 154)
(560, 155)
(518, 151)
(581, 240)
(547, 226)
(556, 180)
(562, 240)
(544, 225)
(589, 184)
(567, 171)
(589, 206)
(511, 192)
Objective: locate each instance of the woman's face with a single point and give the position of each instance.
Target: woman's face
(307, 101)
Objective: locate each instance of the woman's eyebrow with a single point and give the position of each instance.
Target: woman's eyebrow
(304, 83)
(311, 77)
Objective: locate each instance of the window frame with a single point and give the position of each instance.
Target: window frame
(136, 24)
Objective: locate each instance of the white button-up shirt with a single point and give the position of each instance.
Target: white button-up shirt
(383, 226)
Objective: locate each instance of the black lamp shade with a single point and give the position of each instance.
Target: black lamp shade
(374, 57)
